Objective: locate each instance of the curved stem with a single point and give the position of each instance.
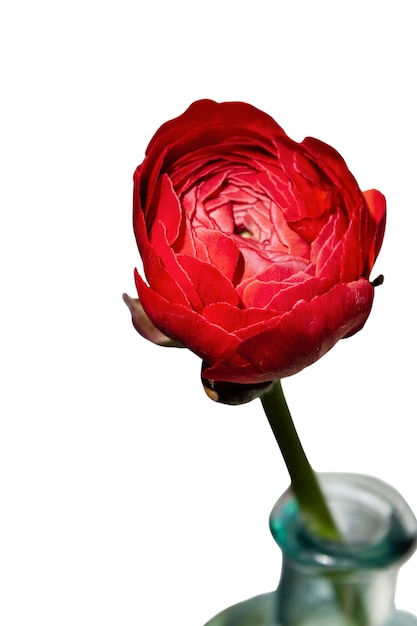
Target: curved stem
(304, 483)
(307, 491)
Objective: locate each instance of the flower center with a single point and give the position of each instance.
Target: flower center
(243, 232)
(246, 204)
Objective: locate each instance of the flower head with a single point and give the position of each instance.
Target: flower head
(256, 249)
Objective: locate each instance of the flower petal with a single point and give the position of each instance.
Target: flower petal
(309, 330)
(210, 285)
(377, 206)
(209, 341)
(144, 326)
(300, 337)
(222, 251)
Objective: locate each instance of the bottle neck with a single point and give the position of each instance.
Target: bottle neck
(351, 582)
(312, 597)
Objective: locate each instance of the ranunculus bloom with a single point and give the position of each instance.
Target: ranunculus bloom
(256, 249)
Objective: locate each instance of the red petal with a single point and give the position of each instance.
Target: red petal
(309, 330)
(210, 285)
(167, 209)
(334, 166)
(207, 113)
(139, 224)
(377, 206)
(162, 281)
(209, 341)
(261, 290)
(169, 261)
(222, 251)
(300, 337)
(337, 251)
(233, 319)
(291, 292)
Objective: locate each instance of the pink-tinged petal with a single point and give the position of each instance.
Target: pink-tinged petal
(210, 285)
(276, 185)
(233, 319)
(189, 244)
(211, 185)
(185, 243)
(300, 287)
(144, 326)
(222, 251)
(308, 331)
(188, 328)
(292, 292)
(336, 251)
(190, 204)
(262, 289)
(283, 268)
(255, 260)
(222, 159)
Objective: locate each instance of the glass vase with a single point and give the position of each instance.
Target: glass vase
(325, 583)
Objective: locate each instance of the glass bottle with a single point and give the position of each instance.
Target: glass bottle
(326, 583)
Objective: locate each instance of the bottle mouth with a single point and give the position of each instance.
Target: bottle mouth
(362, 516)
(377, 526)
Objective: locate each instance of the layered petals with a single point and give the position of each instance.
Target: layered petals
(274, 350)
(256, 250)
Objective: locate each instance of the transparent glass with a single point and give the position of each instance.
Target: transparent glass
(349, 583)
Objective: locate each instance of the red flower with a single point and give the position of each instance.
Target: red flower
(257, 250)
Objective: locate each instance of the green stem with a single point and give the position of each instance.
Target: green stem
(304, 483)
(307, 491)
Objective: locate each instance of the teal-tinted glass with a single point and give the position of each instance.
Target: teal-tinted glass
(349, 583)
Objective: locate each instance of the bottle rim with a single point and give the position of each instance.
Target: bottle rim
(377, 525)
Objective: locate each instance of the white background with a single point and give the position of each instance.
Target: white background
(127, 497)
